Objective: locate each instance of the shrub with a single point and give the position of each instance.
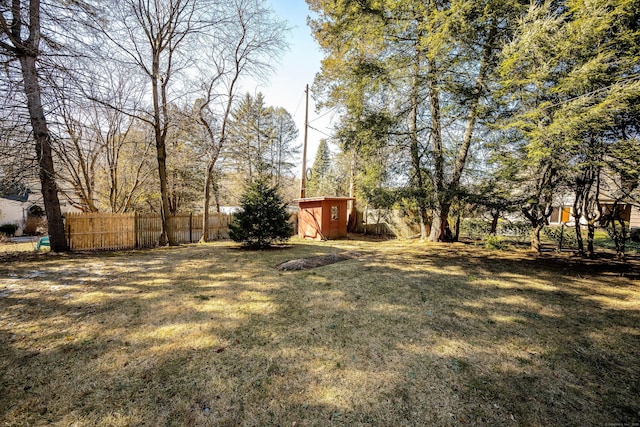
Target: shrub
(36, 211)
(475, 228)
(520, 230)
(495, 242)
(263, 219)
(35, 225)
(8, 229)
(567, 235)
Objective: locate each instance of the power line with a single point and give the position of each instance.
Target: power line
(318, 130)
(323, 114)
(298, 106)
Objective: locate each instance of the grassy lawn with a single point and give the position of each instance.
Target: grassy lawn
(408, 333)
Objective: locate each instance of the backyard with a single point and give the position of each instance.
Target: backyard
(400, 333)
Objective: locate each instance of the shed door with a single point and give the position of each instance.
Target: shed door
(334, 224)
(309, 222)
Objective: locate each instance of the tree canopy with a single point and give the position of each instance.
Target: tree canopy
(465, 95)
(107, 84)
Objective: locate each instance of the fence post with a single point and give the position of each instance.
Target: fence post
(135, 228)
(190, 227)
(68, 234)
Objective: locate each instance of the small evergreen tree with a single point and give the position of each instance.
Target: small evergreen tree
(263, 219)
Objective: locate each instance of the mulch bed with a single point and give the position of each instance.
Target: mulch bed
(317, 261)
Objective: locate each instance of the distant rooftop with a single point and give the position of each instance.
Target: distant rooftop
(13, 190)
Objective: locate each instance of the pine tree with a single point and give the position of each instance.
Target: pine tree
(260, 141)
(250, 134)
(417, 76)
(319, 171)
(570, 75)
(263, 219)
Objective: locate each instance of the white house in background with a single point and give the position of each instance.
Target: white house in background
(563, 211)
(15, 202)
(13, 212)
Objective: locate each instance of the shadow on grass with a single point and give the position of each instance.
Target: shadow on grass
(408, 335)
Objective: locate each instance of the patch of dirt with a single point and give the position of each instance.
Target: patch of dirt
(317, 261)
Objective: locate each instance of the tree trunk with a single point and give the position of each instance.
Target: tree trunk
(577, 215)
(592, 209)
(535, 237)
(495, 215)
(539, 208)
(166, 236)
(44, 154)
(216, 194)
(165, 210)
(591, 229)
(440, 212)
(352, 218)
(216, 149)
(418, 180)
(439, 222)
(456, 232)
(619, 237)
(160, 127)
(424, 230)
(207, 202)
(579, 237)
(444, 196)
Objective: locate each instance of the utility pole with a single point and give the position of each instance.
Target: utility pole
(303, 180)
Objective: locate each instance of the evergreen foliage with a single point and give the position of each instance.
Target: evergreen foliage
(322, 162)
(263, 219)
(571, 77)
(261, 140)
(501, 105)
(415, 78)
(317, 185)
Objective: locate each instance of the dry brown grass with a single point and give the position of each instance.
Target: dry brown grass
(407, 334)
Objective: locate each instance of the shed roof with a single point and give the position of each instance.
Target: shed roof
(323, 198)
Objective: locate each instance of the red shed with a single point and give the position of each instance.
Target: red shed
(322, 218)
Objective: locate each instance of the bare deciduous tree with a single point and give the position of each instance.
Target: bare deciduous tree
(248, 40)
(103, 152)
(154, 37)
(159, 39)
(20, 40)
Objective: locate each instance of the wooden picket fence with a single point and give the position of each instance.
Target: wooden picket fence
(112, 231)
